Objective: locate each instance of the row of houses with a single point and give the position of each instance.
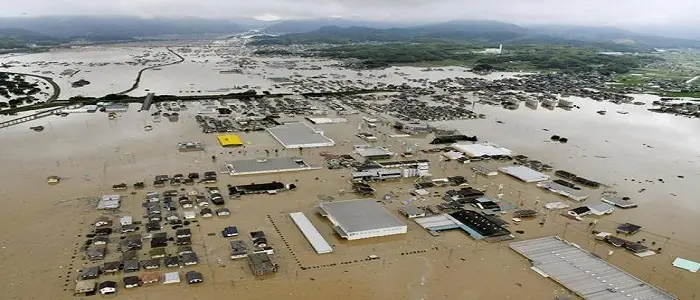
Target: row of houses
(87, 286)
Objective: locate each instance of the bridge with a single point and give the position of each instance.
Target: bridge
(32, 117)
(147, 101)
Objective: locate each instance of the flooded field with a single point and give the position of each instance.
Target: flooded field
(651, 158)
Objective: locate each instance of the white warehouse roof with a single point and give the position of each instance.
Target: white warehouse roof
(317, 241)
(479, 150)
(524, 173)
(361, 218)
(299, 135)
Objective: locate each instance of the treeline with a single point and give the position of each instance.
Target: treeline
(383, 55)
(569, 59)
(556, 58)
(17, 86)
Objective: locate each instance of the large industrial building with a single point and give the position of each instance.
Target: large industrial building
(299, 135)
(392, 170)
(361, 219)
(481, 150)
(267, 165)
(585, 274)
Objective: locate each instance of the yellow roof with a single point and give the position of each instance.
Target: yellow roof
(230, 140)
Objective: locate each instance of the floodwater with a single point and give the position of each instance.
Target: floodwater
(628, 152)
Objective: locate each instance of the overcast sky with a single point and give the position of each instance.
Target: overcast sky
(591, 12)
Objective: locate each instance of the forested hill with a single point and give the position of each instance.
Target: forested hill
(480, 32)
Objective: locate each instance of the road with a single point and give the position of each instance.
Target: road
(138, 76)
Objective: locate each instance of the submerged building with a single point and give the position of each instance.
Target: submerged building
(361, 219)
(299, 135)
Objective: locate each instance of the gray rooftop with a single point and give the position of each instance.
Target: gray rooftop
(563, 190)
(373, 151)
(588, 276)
(619, 202)
(359, 215)
(411, 210)
(267, 165)
(524, 173)
(299, 135)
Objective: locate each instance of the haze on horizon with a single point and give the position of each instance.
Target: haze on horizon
(578, 12)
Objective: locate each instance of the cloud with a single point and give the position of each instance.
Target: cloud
(591, 12)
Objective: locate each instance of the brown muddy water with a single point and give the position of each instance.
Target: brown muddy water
(44, 226)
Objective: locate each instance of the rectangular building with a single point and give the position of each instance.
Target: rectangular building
(583, 273)
(311, 233)
(261, 264)
(267, 165)
(565, 191)
(481, 150)
(109, 202)
(299, 135)
(361, 218)
(524, 173)
(229, 140)
(373, 153)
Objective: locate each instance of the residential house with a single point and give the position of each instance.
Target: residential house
(131, 282)
(169, 206)
(103, 221)
(172, 262)
(157, 253)
(223, 212)
(159, 239)
(238, 249)
(189, 259)
(89, 273)
(132, 242)
(126, 220)
(184, 240)
(206, 213)
(128, 228)
(172, 216)
(152, 197)
(129, 254)
(193, 277)
(184, 232)
(154, 217)
(103, 230)
(230, 231)
(107, 287)
(189, 215)
(628, 228)
(150, 277)
(131, 265)
(153, 226)
(412, 212)
(150, 264)
(85, 286)
(111, 267)
(201, 201)
(96, 253)
(187, 203)
(171, 277)
(100, 240)
(181, 250)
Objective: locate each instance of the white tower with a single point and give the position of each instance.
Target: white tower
(500, 49)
